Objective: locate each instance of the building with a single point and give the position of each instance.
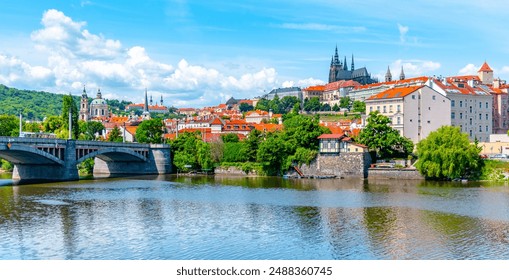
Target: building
(339, 71)
(98, 106)
(471, 104)
(334, 91)
(148, 106)
(313, 91)
(414, 111)
(84, 106)
(282, 92)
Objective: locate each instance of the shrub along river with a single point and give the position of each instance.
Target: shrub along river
(169, 217)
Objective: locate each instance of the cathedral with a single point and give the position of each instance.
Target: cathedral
(339, 71)
(96, 109)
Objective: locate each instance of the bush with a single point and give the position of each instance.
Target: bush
(234, 152)
(7, 166)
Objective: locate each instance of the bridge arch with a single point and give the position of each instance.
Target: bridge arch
(114, 154)
(23, 154)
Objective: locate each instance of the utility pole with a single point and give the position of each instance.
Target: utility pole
(123, 135)
(70, 123)
(20, 125)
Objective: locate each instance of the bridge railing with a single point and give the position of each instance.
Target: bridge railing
(7, 139)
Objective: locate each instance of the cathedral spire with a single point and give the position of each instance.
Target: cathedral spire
(336, 57)
(353, 68)
(388, 75)
(145, 106)
(402, 75)
(345, 66)
(84, 95)
(161, 100)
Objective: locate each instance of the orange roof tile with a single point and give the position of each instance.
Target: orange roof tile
(340, 84)
(485, 68)
(216, 121)
(267, 126)
(397, 92)
(315, 88)
(331, 136)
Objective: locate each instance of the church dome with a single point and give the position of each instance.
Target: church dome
(98, 102)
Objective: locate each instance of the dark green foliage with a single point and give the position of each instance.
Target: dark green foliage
(336, 108)
(382, 138)
(302, 131)
(32, 127)
(301, 156)
(244, 107)
(344, 102)
(150, 131)
(9, 125)
(234, 152)
(272, 154)
(263, 104)
(191, 153)
(115, 135)
(69, 105)
(251, 143)
(448, 154)
(359, 106)
(89, 130)
(86, 167)
(312, 105)
(325, 107)
(52, 124)
(230, 138)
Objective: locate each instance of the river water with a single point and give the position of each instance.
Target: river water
(185, 218)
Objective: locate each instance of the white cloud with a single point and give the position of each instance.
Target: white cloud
(78, 57)
(469, 69)
(411, 68)
(403, 30)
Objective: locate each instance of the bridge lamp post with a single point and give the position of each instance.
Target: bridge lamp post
(20, 125)
(123, 135)
(70, 123)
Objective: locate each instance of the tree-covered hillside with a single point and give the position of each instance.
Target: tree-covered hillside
(36, 105)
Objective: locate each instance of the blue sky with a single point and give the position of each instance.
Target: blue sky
(199, 53)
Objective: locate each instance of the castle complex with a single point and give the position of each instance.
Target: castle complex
(339, 71)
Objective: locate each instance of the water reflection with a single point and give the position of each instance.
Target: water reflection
(200, 217)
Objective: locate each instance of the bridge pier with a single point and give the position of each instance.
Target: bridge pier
(158, 162)
(42, 171)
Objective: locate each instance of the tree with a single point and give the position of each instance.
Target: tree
(383, 139)
(344, 102)
(359, 106)
(150, 131)
(244, 107)
(230, 138)
(263, 104)
(251, 143)
(68, 105)
(448, 154)
(288, 103)
(325, 107)
(272, 154)
(312, 105)
(90, 130)
(52, 124)
(336, 108)
(8, 125)
(115, 135)
(203, 155)
(303, 131)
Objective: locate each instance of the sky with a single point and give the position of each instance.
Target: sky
(201, 53)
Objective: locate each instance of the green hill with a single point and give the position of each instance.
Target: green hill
(36, 105)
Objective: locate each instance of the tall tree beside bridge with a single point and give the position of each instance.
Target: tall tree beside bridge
(68, 104)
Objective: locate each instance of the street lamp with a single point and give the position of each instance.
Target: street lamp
(123, 135)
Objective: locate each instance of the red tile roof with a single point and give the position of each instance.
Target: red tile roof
(331, 136)
(485, 68)
(341, 84)
(315, 88)
(398, 92)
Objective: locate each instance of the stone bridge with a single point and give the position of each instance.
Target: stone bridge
(37, 159)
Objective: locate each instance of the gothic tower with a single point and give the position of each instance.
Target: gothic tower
(353, 67)
(402, 75)
(388, 75)
(84, 111)
(146, 114)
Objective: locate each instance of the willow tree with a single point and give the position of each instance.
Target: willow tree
(448, 154)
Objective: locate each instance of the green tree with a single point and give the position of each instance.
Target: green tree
(344, 102)
(263, 104)
(288, 103)
(244, 107)
(234, 152)
(448, 154)
(251, 143)
(380, 137)
(90, 130)
(32, 126)
(272, 154)
(359, 106)
(203, 155)
(150, 131)
(115, 135)
(336, 108)
(303, 131)
(52, 124)
(230, 138)
(325, 107)
(69, 105)
(9, 125)
(312, 105)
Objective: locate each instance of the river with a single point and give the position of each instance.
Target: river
(222, 218)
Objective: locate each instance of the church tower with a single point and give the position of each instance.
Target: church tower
(146, 114)
(485, 74)
(161, 100)
(388, 75)
(84, 111)
(353, 67)
(402, 75)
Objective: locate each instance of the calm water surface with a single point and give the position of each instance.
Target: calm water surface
(253, 218)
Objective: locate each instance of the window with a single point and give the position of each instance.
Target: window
(480, 116)
(486, 128)
(385, 111)
(453, 115)
(486, 105)
(399, 120)
(413, 96)
(480, 105)
(461, 116)
(453, 103)
(370, 109)
(480, 128)
(470, 121)
(378, 108)
(399, 108)
(486, 116)
(429, 121)
(434, 97)
(470, 109)
(390, 108)
(461, 103)
(470, 132)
